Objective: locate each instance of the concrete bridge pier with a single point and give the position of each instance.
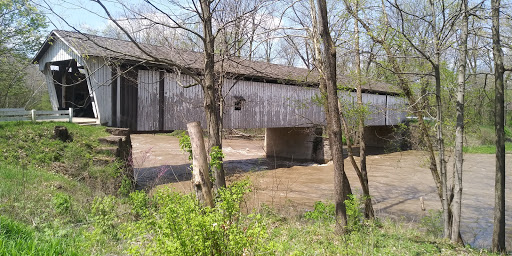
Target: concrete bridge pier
(307, 143)
(295, 143)
(382, 136)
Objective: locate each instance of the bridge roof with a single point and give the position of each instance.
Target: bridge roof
(152, 55)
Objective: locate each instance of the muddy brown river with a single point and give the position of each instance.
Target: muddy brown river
(397, 181)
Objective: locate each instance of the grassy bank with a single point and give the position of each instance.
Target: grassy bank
(56, 198)
(482, 140)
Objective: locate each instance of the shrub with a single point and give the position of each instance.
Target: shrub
(103, 213)
(323, 212)
(354, 213)
(186, 145)
(326, 212)
(179, 225)
(140, 203)
(62, 203)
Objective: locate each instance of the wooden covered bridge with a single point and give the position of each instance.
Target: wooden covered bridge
(121, 86)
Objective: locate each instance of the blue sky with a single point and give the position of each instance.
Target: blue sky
(79, 13)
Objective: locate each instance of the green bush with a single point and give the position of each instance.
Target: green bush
(104, 215)
(62, 203)
(354, 213)
(322, 211)
(179, 225)
(185, 144)
(326, 212)
(139, 202)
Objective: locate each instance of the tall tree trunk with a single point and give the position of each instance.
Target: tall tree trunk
(498, 235)
(368, 206)
(212, 92)
(442, 164)
(459, 130)
(439, 127)
(333, 119)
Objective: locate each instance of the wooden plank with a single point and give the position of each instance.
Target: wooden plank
(11, 109)
(43, 112)
(15, 118)
(148, 100)
(52, 117)
(113, 96)
(161, 98)
(100, 76)
(396, 110)
(14, 113)
(129, 98)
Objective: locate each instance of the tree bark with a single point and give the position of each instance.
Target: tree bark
(459, 130)
(442, 164)
(212, 92)
(333, 120)
(200, 182)
(498, 235)
(368, 206)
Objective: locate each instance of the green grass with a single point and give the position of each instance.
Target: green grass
(296, 236)
(50, 185)
(481, 140)
(18, 239)
(27, 194)
(32, 143)
(487, 149)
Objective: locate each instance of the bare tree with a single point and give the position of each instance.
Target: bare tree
(328, 74)
(459, 132)
(368, 207)
(498, 234)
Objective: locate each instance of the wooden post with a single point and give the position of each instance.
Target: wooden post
(33, 115)
(70, 115)
(200, 168)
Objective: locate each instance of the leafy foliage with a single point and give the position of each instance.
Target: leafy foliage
(20, 34)
(216, 157)
(62, 203)
(322, 211)
(186, 145)
(179, 219)
(354, 213)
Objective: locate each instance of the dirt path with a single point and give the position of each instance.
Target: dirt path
(397, 181)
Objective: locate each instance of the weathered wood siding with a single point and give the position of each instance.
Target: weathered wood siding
(376, 105)
(48, 74)
(267, 105)
(396, 110)
(99, 77)
(128, 98)
(261, 105)
(181, 105)
(148, 109)
(59, 51)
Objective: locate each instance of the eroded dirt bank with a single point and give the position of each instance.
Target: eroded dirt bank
(397, 181)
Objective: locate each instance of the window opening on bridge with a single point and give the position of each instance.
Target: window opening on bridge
(238, 102)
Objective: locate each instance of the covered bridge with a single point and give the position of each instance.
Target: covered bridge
(118, 84)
